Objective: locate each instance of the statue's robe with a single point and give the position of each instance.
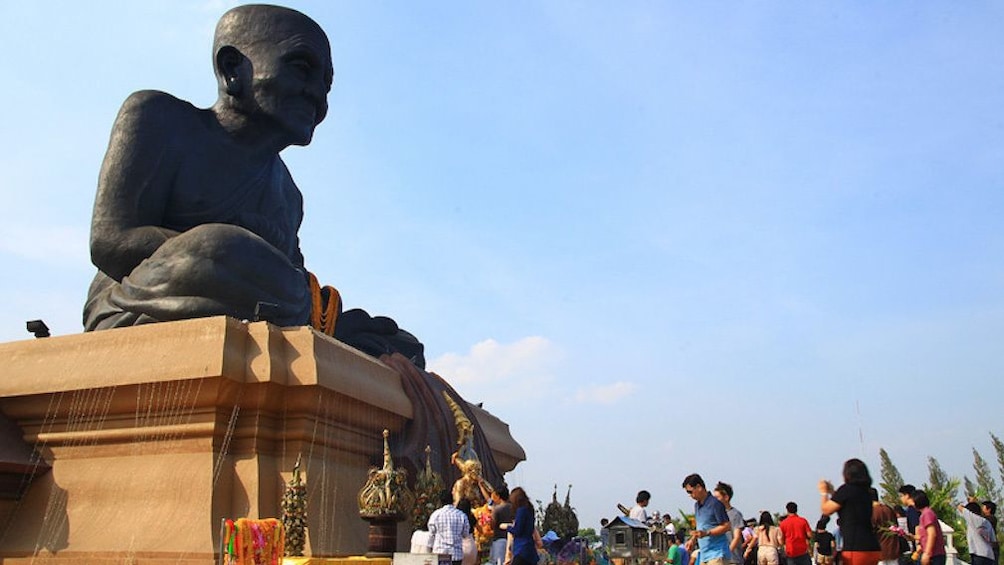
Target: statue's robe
(233, 255)
(434, 424)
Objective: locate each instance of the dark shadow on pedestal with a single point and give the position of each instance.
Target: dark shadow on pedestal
(27, 531)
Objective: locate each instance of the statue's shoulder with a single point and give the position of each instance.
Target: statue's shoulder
(156, 99)
(147, 107)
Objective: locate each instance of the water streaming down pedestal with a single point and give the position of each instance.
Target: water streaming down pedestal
(155, 433)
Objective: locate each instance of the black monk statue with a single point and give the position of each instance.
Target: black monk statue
(196, 214)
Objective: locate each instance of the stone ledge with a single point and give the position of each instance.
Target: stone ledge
(217, 347)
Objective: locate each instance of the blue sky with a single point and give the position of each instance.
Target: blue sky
(749, 240)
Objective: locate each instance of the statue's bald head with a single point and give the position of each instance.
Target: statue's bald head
(246, 26)
(273, 66)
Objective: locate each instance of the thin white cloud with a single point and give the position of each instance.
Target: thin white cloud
(604, 394)
(489, 360)
(491, 371)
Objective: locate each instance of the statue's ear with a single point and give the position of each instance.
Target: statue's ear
(230, 63)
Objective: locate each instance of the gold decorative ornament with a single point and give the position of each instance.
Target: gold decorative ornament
(294, 513)
(386, 493)
(428, 485)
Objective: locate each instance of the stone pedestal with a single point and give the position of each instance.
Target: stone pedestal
(157, 433)
(382, 539)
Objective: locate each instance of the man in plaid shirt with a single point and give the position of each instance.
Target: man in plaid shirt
(447, 527)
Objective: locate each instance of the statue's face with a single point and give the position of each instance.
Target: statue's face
(290, 82)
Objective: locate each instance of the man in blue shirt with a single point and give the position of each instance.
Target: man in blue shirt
(712, 523)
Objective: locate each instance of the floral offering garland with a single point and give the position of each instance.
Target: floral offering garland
(253, 542)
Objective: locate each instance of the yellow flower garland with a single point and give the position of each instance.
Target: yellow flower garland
(323, 314)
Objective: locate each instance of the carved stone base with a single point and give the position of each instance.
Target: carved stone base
(157, 433)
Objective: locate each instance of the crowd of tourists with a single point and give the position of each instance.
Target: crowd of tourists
(867, 532)
(514, 537)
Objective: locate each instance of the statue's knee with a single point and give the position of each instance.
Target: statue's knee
(217, 241)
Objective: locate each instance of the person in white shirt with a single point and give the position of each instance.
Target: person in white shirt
(641, 501)
(979, 534)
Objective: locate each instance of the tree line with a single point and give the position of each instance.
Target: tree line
(943, 490)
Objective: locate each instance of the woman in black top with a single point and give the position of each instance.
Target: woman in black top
(853, 502)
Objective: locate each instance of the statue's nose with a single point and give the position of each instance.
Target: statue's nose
(317, 92)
